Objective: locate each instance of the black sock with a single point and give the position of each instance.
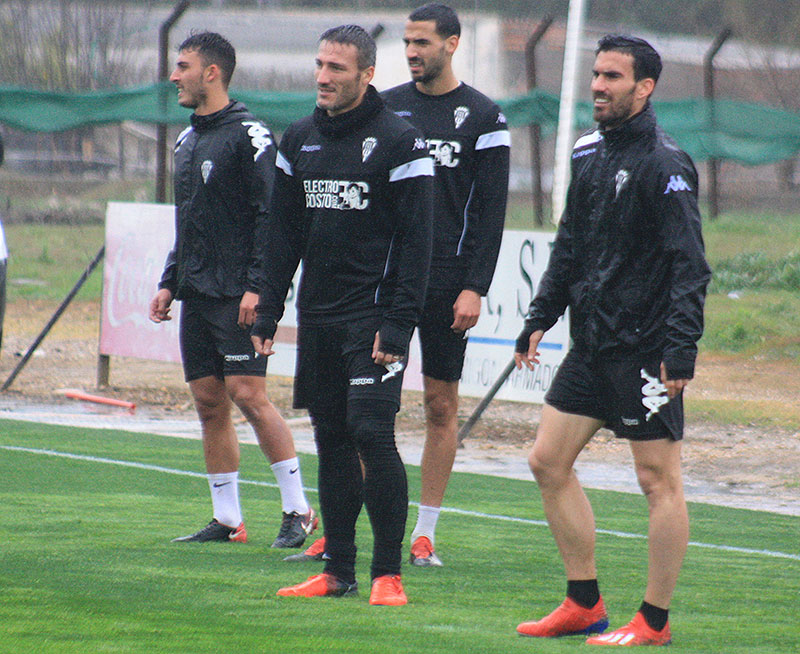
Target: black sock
(655, 617)
(584, 591)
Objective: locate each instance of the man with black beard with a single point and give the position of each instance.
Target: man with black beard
(628, 261)
(469, 143)
(352, 200)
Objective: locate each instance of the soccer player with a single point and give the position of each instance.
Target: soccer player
(352, 200)
(468, 140)
(629, 263)
(224, 168)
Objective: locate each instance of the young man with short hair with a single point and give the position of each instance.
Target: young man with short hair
(224, 167)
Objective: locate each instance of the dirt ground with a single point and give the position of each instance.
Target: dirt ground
(762, 465)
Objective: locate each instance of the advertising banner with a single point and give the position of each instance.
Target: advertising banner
(139, 236)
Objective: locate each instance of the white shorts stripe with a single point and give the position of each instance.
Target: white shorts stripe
(496, 139)
(416, 168)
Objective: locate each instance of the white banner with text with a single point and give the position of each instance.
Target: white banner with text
(139, 237)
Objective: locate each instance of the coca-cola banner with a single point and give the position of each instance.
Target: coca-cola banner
(138, 238)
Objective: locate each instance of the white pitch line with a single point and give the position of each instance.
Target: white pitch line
(445, 509)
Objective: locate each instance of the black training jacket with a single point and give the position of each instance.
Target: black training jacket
(628, 259)
(352, 200)
(224, 169)
(468, 140)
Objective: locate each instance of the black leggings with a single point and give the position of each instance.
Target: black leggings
(364, 435)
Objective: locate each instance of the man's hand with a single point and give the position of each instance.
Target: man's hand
(530, 357)
(262, 346)
(159, 305)
(380, 357)
(674, 386)
(466, 310)
(247, 309)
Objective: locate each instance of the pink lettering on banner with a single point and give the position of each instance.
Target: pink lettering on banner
(138, 238)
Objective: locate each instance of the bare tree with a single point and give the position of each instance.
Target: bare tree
(64, 44)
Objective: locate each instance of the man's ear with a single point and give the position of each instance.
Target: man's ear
(211, 73)
(645, 87)
(367, 74)
(451, 43)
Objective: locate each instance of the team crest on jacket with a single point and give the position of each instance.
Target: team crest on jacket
(367, 146)
(205, 169)
(460, 115)
(621, 180)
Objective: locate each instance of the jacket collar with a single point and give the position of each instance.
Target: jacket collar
(338, 126)
(200, 123)
(641, 124)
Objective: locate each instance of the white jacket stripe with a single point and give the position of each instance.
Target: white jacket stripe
(283, 163)
(493, 140)
(416, 168)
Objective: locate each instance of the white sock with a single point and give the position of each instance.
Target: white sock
(224, 488)
(290, 483)
(427, 518)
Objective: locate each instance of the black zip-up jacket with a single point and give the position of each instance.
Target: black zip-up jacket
(224, 169)
(353, 200)
(628, 258)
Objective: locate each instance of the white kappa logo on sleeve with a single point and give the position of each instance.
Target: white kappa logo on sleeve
(260, 137)
(677, 183)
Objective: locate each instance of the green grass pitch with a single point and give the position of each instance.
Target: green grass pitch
(86, 563)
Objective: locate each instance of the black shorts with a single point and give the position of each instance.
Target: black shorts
(213, 344)
(442, 348)
(335, 365)
(625, 394)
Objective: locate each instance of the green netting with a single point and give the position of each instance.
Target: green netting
(749, 133)
(46, 111)
(746, 132)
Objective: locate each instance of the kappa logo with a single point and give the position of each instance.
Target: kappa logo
(260, 138)
(621, 180)
(460, 115)
(310, 148)
(394, 369)
(501, 118)
(205, 169)
(677, 183)
(420, 144)
(654, 394)
(362, 381)
(367, 146)
(444, 152)
(237, 357)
